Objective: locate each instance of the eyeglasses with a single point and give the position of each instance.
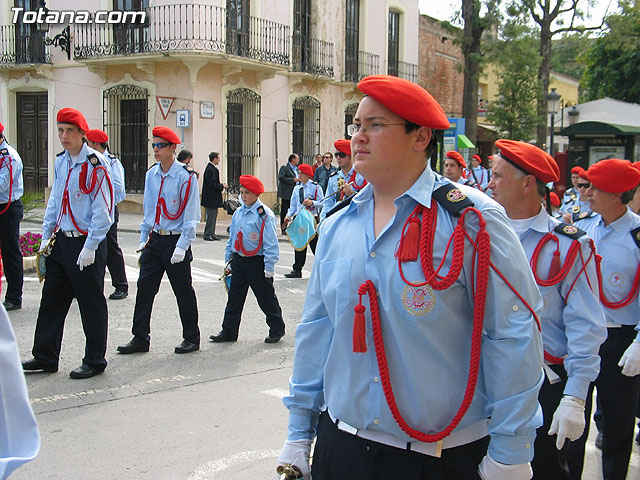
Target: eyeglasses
(341, 154)
(159, 145)
(583, 185)
(375, 127)
(327, 156)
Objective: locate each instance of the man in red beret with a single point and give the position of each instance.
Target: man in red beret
(562, 258)
(570, 196)
(478, 173)
(171, 214)
(97, 139)
(616, 232)
(307, 194)
(454, 166)
(251, 255)
(11, 210)
(76, 221)
(384, 349)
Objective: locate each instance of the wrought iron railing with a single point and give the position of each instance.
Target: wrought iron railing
(408, 71)
(356, 68)
(310, 55)
(186, 27)
(22, 48)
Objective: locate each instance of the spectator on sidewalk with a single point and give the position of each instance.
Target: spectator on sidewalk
(212, 196)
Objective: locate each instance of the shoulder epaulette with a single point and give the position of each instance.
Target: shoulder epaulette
(334, 173)
(315, 183)
(93, 159)
(61, 153)
(582, 216)
(157, 163)
(188, 169)
(261, 211)
(570, 231)
(452, 199)
(112, 156)
(4, 151)
(635, 233)
(340, 205)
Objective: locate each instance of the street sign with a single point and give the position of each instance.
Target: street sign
(165, 105)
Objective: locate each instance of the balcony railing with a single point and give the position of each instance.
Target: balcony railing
(310, 55)
(18, 48)
(186, 28)
(356, 68)
(408, 71)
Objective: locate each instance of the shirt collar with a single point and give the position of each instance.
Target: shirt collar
(621, 223)
(541, 221)
(253, 208)
(173, 169)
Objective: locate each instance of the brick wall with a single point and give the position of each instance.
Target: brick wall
(440, 65)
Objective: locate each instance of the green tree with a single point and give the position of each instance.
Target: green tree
(566, 53)
(613, 60)
(516, 56)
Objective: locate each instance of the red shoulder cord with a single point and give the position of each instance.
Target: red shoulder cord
(6, 160)
(240, 241)
(352, 181)
(161, 205)
(630, 297)
(82, 184)
(481, 259)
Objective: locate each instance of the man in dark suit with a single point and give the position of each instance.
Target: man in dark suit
(212, 196)
(287, 179)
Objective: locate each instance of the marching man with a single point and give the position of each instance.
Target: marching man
(437, 374)
(454, 166)
(479, 174)
(573, 327)
(171, 214)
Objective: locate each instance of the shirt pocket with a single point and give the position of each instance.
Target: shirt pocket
(336, 284)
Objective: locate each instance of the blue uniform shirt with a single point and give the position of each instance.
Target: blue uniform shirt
(481, 176)
(91, 211)
(332, 186)
(620, 258)
(427, 332)
(310, 190)
(577, 329)
(174, 189)
(248, 220)
(117, 177)
(13, 181)
(569, 198)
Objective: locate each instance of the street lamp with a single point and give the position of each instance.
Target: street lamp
(553, 99)
(573, 115)
(62, 40)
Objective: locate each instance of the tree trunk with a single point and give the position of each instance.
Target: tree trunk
(543, 79)
(471, 51)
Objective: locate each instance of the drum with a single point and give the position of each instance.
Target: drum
(302, 229)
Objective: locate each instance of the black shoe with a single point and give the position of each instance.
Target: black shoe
(208, 238)
(35, 364)
(118, 295)
(215, 238)
(273, 338)
(222, 337)
(134, 346)
(294, 274)
(187, 347)
(599, 440)
(86, 371)
(9, 305)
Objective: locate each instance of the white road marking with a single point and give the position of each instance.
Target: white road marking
(276, 392)
(209, 469)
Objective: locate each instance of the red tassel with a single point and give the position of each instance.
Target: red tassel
(410, 243)
(554, 269)
(359, 339)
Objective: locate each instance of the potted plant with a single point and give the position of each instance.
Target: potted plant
(29, 245)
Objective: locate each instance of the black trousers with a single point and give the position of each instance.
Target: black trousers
(10, 246)
(575, 455)
(249, 272)
(285, 203)
(63, 282)
(115, 259)
(549, 462)
(300, 257)
(154, 261)
(339, 455)
(618, 398)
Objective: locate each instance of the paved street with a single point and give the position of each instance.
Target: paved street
(213, 414)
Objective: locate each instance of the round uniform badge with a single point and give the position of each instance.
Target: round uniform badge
(77, 195)
(418, 300)
(616, 279)
(576, 208)
(253, 236)
(637, 235)
(455, 195)
(570, 230)
(93, 160)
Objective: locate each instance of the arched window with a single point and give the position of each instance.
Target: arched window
(306, 128)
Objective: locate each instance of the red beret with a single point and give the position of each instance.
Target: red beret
(477, 157)
(555, 200)
(453, 155)
(251, 183)
(583, 174)
(343, 146)
(405, 99)
(531, 159)
(167, 134)
(1, 128)
(97, 136)
(306, 169)
(74, 117)
(613, 175)
(577, 169)
(634, 164)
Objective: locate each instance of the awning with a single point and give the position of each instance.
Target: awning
(599, 128)
(464, 142)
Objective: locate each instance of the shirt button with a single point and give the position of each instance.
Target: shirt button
(376, 379)
(376, 421)
(373, 254)
(515, 308)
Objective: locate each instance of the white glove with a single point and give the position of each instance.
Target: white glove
(141, 247)
(489, 469)
(43, 244)
(178, 255)
(296, 452)
(86, 258)
(630, 360)
(268, 274)
(568, 420)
